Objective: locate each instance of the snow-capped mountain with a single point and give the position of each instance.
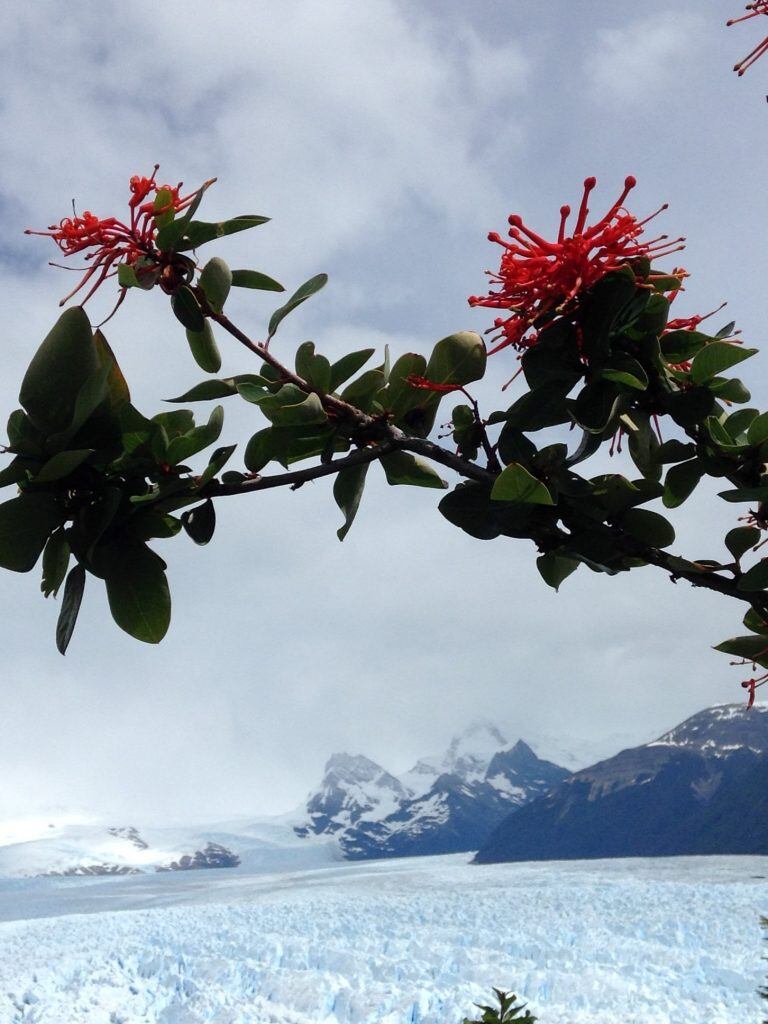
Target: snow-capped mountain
(444, 804)
(700, 788)
(72, 845)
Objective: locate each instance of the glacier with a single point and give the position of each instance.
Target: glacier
(411, 941)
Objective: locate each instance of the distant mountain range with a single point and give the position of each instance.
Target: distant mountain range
(700, 788)
(447, 804)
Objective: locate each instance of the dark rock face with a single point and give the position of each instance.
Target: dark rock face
(212, 856)
(700, 788)
(94, 869)
(446, 805)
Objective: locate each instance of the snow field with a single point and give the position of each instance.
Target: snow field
(402, 942)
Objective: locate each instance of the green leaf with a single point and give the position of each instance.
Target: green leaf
(675, 451)
(347, 491)
(622, 369)
(216, 463)
(260, 450)
(756, 622)
(126, 276)
(648, 527)
(680, 346)
(458, 359)
(681, 481)
(758, 429)
(70, 608)
(216, 280)
(755, 578)
(55, 563)
(729, 389)
(138, 594)
(596, 406)
(26, 523)
(643, 443)
(469, 507)
(253, 279)
(738, 423)
(404, 468)
(745, 494)
(362, 392)
(741, 539)
(61, 465)
(204, 349)
(170, 234)
(753, 648)
(313, 368)
(716, 357)
(292, 407)
(554, 359)
(688, 408)
(65, 360)
(186, 309)
(209, 390)
(301, 294)
(195, 440)
(554, 568)
(515, 483)
(198, 232)
(200, 522)
(348, 366)
(539, 408)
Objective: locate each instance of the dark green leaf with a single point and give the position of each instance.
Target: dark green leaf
(741, 539)
(755, 578)
(70, 607)
(404, 468)
(554, 568)
(716, 357)
(137, 590)
(260, 450)
(186, 309)
(195, 440)
(208, 390)
(347, 491)
(680, 346)
(758, 429)
(622, 369)
(648, 527)
(753, 648)
(200, 522)
(61, 465)
(216, 463)
(681, 481)
(756, 622)
(26, 523)
(348, 366)
(204, 349)
(253, 279)
(745, 494)
(469, 507)
(539, 408)
(458, 359)
(55, 563)
(596, 406)
(362, 392)
(65, 360)
(301, 294)
(199, 232)
(292, 407)
(675, 451)
(516, 484)
(729, 389)
(313, 368)
(216, 280)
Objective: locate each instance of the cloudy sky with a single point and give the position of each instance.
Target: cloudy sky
(385, 139)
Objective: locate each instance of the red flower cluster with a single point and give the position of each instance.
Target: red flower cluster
(537, 276)
(756, 8)
(112, 242)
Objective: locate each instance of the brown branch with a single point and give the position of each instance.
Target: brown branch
(390, 438)
(295, 478)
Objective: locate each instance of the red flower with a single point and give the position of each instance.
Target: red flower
(429, 385)
(756, 8)
(109, 242)
(537, 276)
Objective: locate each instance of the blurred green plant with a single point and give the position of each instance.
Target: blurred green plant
(507, 1012)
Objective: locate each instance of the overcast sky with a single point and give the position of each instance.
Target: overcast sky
(385, 139)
